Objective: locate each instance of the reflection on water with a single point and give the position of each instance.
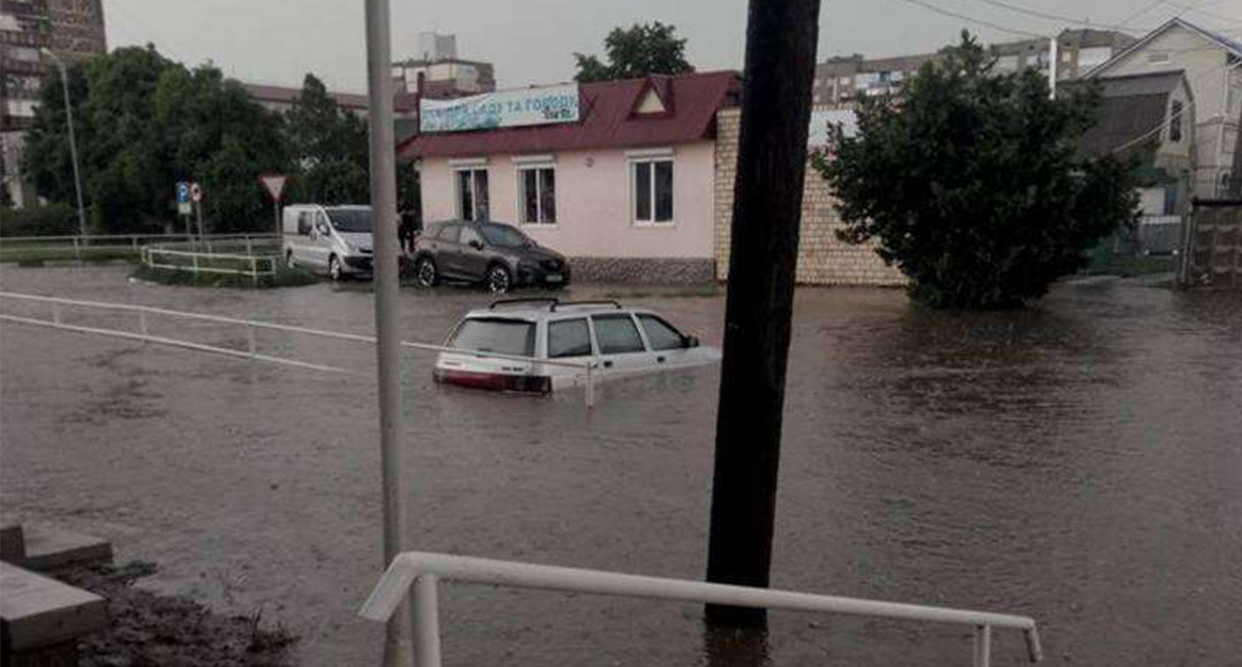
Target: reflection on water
(1079, 463)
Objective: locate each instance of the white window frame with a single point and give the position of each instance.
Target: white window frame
(458, 170)
(520, 167)
(651, 157)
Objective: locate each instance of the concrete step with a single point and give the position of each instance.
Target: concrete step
(54, 550)
(41, 618)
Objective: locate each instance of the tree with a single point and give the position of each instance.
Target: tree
(971, 184)
(329, 147)
(781, 37)
(641, 50)
(144, 122)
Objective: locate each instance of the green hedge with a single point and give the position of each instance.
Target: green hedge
(50, 220)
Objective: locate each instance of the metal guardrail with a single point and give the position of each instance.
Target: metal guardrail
(76, 246)
(144, 335)
(208, 262)
(423, 571)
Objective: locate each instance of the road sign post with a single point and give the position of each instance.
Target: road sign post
(196, 196)
(275, 186)
(184, 207)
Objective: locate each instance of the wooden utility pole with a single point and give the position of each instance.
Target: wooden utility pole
(781, 38)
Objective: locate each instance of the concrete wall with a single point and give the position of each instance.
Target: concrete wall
(822, 258)
(1203, 62)
(594, 224)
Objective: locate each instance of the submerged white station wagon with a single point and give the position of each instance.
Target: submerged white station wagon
(547, 344)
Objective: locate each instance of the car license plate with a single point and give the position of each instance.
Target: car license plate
(554, 278)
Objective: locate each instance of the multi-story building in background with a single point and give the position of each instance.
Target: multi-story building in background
(842, 80)
(72, 29)
(445, 76)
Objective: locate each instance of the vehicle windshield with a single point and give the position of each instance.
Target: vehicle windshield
(494, 334)
(351, 220)
(504, 236)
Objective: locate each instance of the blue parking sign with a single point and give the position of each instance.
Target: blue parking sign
(183, 192)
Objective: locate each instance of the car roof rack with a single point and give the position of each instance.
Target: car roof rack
(552, 302)
(596, 302)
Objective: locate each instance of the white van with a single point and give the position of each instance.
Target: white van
(335, 240)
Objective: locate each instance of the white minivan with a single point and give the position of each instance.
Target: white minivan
(335, 240)
(542, 345)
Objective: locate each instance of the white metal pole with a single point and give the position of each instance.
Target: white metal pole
(427, 622)
(397, 647)
(1054, 60)
(983, 646)
(73, 142)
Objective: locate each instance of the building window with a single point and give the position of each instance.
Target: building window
(472, 194)
(1235, 104)
(652, 185)
(1170, 200)
(1175, 122)
(537, 187)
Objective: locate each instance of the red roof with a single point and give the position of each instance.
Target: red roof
(607, 120)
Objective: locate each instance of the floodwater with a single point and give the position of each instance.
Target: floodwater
(1080, 463)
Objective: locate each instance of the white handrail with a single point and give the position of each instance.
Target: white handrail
(423, 570)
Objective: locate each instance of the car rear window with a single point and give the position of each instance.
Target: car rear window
(569, 338)
(448, 233)
(494, 334)
(616, 334)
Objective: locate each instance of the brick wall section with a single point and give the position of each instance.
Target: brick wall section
(822, 258)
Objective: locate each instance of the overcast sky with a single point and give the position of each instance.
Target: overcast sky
(532, 41)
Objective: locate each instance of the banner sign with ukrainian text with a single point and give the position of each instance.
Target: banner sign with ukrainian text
(542, 105)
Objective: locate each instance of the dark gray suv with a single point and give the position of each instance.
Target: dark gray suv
(494, 254)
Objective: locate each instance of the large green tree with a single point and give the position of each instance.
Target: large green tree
(329, 147)
(970, 182)
(143, 123)
(643, 49)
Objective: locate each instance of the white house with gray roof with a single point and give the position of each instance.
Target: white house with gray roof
(1212, 64)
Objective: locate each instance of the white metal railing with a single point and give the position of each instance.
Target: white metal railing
(77, 245)
(144, 335)
(422, 571)
(209, 262)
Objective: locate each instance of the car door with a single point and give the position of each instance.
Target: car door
(620, 347)
(444, 250)
(568, 340)
(667, 344)
(321, 239)
(471, 254)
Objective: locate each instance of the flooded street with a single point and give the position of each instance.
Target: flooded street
(1080, 463)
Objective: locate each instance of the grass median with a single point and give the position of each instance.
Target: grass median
(284, 277)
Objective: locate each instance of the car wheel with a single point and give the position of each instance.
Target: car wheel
(289, 260)
(498, 279)
(427, 273)
(334, 268)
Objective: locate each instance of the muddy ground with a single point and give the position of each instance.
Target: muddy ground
(150, 630)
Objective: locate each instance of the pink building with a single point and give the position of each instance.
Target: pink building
(627, 190)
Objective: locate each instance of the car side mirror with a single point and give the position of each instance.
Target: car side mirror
(476, 244)
(690, 341)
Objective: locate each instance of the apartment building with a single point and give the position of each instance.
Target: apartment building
(445, 76)
(72, 29)
(842, 80)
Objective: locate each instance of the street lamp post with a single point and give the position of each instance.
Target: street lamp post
(73, 142)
